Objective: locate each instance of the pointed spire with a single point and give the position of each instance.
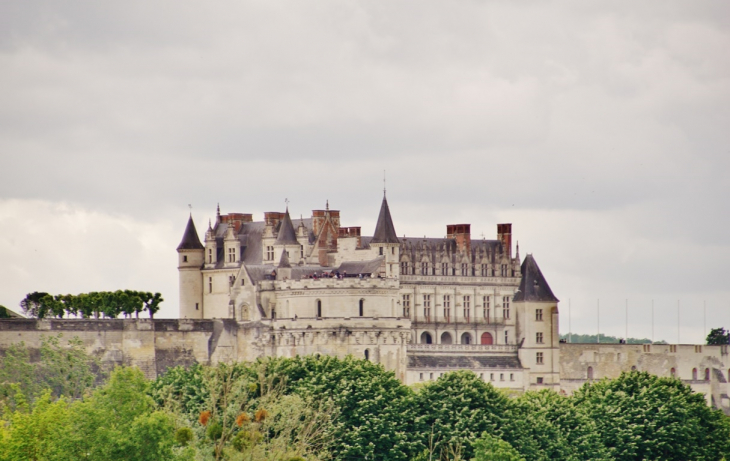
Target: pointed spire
(284, 261)
(518, 250)
(190, 240)
(210, 227)
(287, 235)
(384, 229)
(533, 286)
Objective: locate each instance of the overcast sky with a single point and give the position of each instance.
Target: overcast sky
(601, 130)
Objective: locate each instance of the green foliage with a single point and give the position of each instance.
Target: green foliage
(457, 408)
(545, 425)
(64, 370)
(375, 411)
(718, 337)
(183, 436)
(4, 312)
(95, 304)
(641, 416)
(490, 448)
(117, 421)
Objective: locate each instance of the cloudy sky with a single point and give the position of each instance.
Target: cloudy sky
(601, 130)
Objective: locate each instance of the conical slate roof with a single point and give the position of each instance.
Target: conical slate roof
(190, 240)
(287, 235)
(533, 286)
(284, 261)
(384, 230)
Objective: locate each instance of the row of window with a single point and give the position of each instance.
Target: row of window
(466, 305)
(270, 253)
(481, 376)
(672, 373)
(464, 269)
(486, 338)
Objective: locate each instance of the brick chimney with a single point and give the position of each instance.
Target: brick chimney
(462, 234)
(504, 235)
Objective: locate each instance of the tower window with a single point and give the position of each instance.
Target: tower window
(185, 258)
(269, 253)
(538, 358)
(538, 315)
(210, 284)
(538, 338)
(506, 336)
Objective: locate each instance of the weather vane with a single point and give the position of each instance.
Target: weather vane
(383, 183)
(190, 207)
(286, 200)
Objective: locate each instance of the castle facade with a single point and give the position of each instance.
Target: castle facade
(419, 306)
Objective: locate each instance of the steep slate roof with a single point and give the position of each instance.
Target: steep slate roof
(463, 361)
(190, 240)
(287, 235)
(533, 286)
(384, 230)
(284, 261)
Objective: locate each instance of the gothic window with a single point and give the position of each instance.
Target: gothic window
(464, 269)
(447, 307)
(404, 268)
(504, 270)
(467, 307)
(406, 305)
(538, 338)
(538, 315)
(444, 268)
(484, 269)
(210, 256)
(424, 268)
(486, 306)
(538, 358)
(505, 307)
(427, 307)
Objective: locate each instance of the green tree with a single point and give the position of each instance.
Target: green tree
(4, 313)
(490, 448)
(459, 407)
(641, 416)
(34, 304)
(718, 336)
(545, 425)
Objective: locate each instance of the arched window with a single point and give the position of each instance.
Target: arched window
(694, 374)
(466, 338)
(319, 308)
(673, 372)
(487, 338)
(590, 373)
(362, 306)
(446, 338)
(707, 374)
(426, 338)
(367, 354)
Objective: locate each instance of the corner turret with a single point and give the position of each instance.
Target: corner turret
(191, 255)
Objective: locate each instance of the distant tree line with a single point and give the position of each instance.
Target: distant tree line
(592, 339)
(109, 304)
